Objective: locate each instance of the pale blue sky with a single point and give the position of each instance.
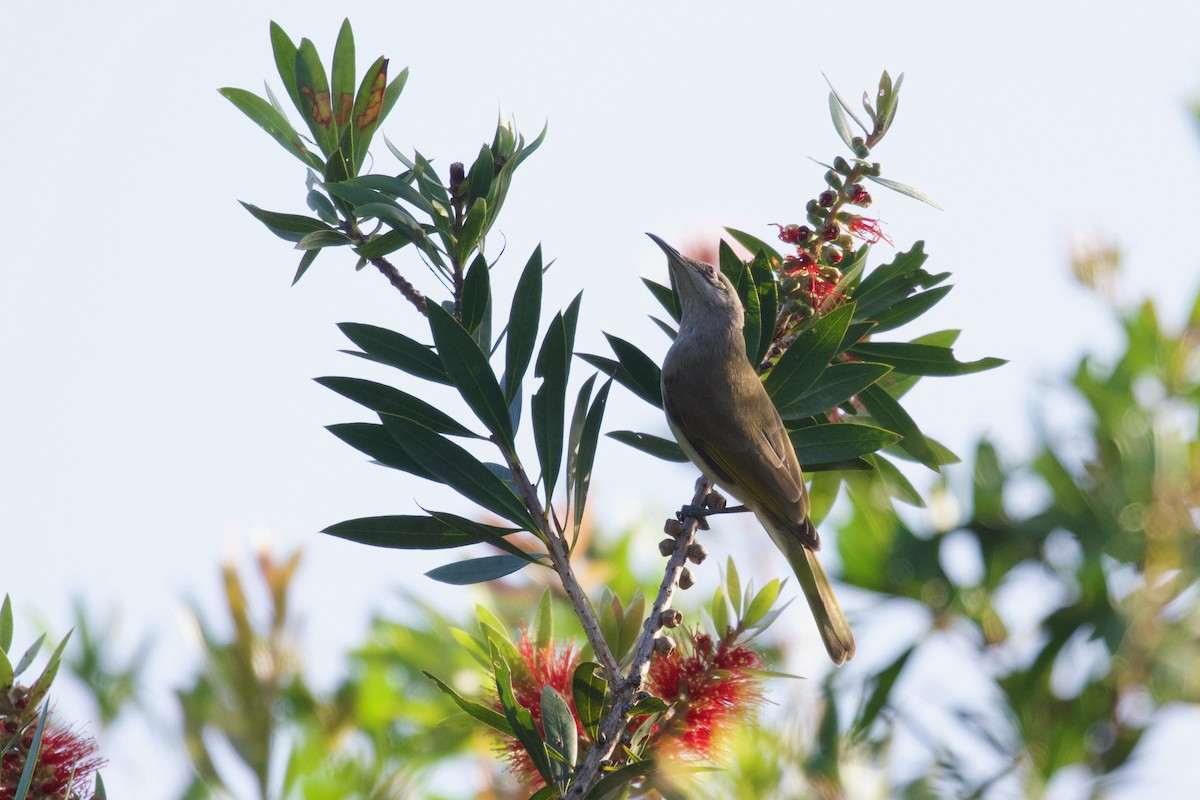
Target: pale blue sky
(160, 410)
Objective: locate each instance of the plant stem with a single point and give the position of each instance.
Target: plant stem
(396, 279)
(624, 693)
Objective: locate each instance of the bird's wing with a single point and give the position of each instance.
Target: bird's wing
(749, 451)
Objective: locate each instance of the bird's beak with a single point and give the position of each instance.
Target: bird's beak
(671, 252)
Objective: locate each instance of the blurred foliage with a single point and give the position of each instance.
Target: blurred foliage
(1098, 534)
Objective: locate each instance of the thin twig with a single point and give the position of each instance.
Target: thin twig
(624, 693)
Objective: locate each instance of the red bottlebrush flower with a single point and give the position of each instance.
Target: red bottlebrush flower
(793, 234)
(65, 767)
(539, 667)
(710, 689)
(868, 230)
(860, 196)
(799, 264)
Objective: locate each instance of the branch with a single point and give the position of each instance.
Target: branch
(625, 692)
(396, 279)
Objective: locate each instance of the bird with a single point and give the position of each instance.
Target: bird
(726, 424)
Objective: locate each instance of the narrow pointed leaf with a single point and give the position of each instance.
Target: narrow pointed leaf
(921, 359)
(386, 400)
(908, 309)
(842, 441)
(479, 179)
(890, 415)
(289, 227)
(477, 570)
(840, 123)
(396, 350)
(523, 324)
(6, 624)
(477, 294)
(29, 655)
(657, 446)
(406, 532)
(376, 442)
(393, 92)
(897, 485)
(754, 244)
(665, 297)
(468, 368)
(558, 725)
(459, 470)
(488, 716)
(588, 444)
(543, 629)
(266, 116)
(880, 693)
(319, 239)
(640, 368)
(588, 690)
(312, 86)
(6, 671)
(32, 755)
(845, 105)
(342, 73)
(284, 50)
(473, 229)
(897, 186)
(838, 383)
(802, 364)
(42, 685)
(549, 403)
(768, 302)
(519, 718)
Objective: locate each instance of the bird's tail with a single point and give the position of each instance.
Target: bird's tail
(831, 621)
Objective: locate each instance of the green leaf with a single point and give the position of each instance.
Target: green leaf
(289, 227)
(312, 88)
(890, 415)
(477, 570)
(342, 86)
(396, 350)
(543, 628)
(615, 783)
(479, 179)
(477, 295)
(583, 453)
(284, 51)
(768, 300)
(468, 368)
(739, 275)
(645, 375)
(376, 442)
(523, 324)
(263, 114)
(458, 469)
(754, 244)
(549, 403)
(482, 713)
(833, 91)
(486, 533)
(921, 359)
(42, 685)
(897, 186)
(101, 792)
(894, 481)
(838, 383)
(391, 187)
(369, 109)
(558, 725)
(387, 400)
(318, 239)
(657, 446)
(908, 309)
(762, 603)
(519, 718)
(802, 364)
(880, 693)
(473, 230)
(588, 690)
(6, 671)
(665, 297)
(29, 655)
(32, 755)
(392, 94)
(6, 624)
(840, 123)
(840, 441)
(407, 533)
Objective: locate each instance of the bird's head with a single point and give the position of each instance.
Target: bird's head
(704, 291)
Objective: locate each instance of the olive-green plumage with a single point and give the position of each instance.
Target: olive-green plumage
(727, 425)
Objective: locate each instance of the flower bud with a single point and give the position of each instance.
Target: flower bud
(876, 169)
(841, 165)
(826, 198)
(686, 580)
(832, 179)
(831, 232)
(860, 149)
